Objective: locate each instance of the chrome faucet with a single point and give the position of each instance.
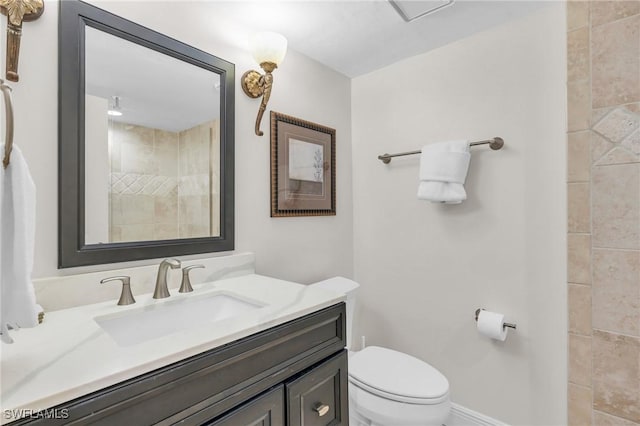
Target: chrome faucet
(162, 290)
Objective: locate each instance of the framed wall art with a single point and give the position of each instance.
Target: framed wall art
(303, 167)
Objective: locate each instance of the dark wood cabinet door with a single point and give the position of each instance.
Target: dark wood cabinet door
(265, 410)
(319, 397)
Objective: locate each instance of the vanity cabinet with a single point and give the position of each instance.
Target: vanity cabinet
(291, 374)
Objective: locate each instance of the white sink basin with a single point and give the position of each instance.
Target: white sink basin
(164, 318)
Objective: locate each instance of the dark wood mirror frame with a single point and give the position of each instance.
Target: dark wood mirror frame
(72, 249)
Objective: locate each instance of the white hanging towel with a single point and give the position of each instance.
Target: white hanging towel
(443, 170)
(17, 236)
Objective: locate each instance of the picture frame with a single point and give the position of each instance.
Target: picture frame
(303, 167)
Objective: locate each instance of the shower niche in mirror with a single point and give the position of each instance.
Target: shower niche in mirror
(146, 142)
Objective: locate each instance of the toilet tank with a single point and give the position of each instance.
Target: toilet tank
(349, 288)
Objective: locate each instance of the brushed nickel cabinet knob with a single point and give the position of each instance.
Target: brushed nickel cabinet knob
(321, 409)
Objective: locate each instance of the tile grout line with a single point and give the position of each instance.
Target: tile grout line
(616, 249)
(610, 22)
(591, 168)
(631, 336)
(613, 415)
(617, 164)
(576, 333)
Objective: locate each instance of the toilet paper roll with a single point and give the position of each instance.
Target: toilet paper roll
(491, 324)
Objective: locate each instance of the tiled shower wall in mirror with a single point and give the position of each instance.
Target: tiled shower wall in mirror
(604, 212)
(164, 185)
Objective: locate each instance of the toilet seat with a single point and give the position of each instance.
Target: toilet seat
(397, 376)
(398, 398)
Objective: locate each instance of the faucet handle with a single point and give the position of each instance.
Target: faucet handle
(185, 286)
(126, 297)
(172, 262)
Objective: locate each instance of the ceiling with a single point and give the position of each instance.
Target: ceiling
(359, 36)
(353, 37)
(151, 86)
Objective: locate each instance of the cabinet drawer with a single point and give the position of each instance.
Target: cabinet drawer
(265, 410)
(319, 397)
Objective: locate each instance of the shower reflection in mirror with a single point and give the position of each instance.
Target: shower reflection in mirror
(152, 149)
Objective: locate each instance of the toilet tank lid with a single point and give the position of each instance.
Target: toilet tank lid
(397, 373)
(338, 285)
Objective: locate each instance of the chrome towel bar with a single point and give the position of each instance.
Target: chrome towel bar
(494, 143)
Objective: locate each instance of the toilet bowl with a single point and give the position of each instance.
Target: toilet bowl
(387, 387)
(391, 388)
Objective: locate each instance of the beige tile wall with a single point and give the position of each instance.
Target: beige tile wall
(198, 182)
(160, 182)
(603, 89)
(144, 176)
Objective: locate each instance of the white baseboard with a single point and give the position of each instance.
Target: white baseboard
(462, 416)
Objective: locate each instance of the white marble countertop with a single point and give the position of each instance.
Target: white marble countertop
(70, 355)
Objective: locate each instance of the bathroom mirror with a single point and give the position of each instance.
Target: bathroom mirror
(146, 142)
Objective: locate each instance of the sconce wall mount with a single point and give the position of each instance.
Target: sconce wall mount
(17, 11)
(269, 50)
(255, 85)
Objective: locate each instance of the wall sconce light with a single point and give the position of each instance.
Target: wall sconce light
(268, 50)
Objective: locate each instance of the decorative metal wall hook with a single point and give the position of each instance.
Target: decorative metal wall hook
(17, 11)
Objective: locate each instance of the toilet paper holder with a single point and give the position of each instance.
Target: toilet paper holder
(506, 324)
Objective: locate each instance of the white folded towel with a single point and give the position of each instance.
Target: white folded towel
(443, 170)
(17, 233)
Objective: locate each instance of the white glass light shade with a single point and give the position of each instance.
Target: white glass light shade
(268, 47)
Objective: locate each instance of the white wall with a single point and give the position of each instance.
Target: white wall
(424, 268)
(98, 175)
(299, 249)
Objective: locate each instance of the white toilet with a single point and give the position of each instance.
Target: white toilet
(387, 387)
